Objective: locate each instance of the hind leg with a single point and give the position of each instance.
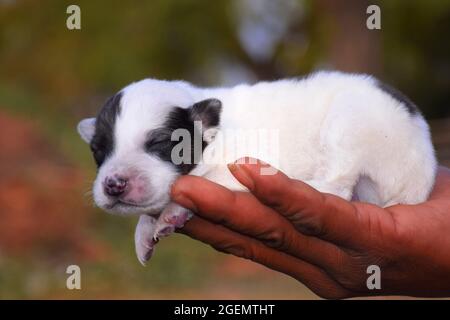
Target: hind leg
(343, 147)
(338, 173)
(344, 191)
(337, 176)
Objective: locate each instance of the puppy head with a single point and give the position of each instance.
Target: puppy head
(131, 141)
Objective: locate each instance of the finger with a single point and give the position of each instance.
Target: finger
(314, 213)
(441, 191)
(227, 241)
(243, 213)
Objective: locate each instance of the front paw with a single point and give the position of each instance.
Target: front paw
(143, 238)
(173, 216)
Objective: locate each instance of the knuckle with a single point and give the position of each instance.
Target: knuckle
(354, 280)
(273, 190)
(276, 239)
(237, 249)
(353, 273)
(311, 228)
(222, 220)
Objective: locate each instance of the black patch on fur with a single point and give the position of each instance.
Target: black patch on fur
(399, 96)
(208, 112)
(159, 141)
(102, 143)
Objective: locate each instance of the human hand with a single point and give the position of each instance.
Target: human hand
(322, 240)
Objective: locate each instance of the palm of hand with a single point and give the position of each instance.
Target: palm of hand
(323, 241)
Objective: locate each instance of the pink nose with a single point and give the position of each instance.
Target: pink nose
(115, 186)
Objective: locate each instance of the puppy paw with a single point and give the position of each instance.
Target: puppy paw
(143, 238)
(173, 216)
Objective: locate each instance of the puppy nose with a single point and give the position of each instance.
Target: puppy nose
(115, 186)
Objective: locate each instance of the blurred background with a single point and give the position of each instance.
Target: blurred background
(51, 77)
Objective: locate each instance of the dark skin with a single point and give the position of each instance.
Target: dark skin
(322, 240)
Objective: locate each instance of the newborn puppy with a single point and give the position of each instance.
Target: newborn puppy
(345, 134)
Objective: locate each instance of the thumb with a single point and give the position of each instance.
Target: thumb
(314, 213)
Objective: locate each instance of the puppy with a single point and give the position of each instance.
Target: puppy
(345, 134)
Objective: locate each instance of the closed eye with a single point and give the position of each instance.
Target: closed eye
(98, 153)
(156, 143)
(157, 138)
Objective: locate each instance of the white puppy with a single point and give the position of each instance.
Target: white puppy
(345, 134)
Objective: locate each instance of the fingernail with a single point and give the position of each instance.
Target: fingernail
(184, 201)
(240, 173)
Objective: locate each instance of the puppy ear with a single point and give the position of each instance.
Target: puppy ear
(86, 129)
(207, 111)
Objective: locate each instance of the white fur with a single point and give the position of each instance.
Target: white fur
(337, 132)
(144, 106)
